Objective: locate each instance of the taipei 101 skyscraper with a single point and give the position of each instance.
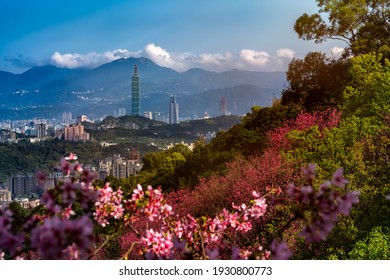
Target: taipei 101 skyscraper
(135, 93)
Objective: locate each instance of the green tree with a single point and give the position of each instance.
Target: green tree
(362, 148)
(375, 247)
(160, 167)
(369, 93)
(364, 25)
(315, 82)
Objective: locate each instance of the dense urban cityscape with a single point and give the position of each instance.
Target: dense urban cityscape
(24, 187)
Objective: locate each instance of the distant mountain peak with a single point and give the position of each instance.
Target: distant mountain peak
(137, 60)
(197, 70)
(142, 60)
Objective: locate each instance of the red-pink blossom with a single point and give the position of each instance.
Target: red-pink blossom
(159, 243)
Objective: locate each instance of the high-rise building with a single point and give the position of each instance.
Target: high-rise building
(21, 184)
(121, 112)
(41, 130)
(75, 133)
(223, 107)
(125, 167)
(156, 115)
(148, 115)
(173, 110)
(5, 196)
(67, 117)
(135, 93)
(119, 168)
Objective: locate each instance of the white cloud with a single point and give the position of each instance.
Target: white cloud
(89, 60)
(246, 59)
(285, 53)
(215, 61)
(158, 55)
(121, 53)
(66, 60)
(257, 58)
(283, 57)
(208, 58)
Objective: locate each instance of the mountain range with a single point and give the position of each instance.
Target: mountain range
(48, 91)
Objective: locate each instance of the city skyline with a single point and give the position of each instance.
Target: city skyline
(214, 35)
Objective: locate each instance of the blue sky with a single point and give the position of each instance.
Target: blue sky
(212, 34)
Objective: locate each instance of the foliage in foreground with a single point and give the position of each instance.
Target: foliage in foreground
(76, 221)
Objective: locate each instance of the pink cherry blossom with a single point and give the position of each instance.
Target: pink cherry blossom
(160, 243)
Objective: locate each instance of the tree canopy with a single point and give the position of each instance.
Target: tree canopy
(369, 93)
(316, 81)
(364, 25)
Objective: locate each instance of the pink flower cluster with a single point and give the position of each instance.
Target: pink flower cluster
(53, 235)
(108, 205)
(202, 232)
(259, 206)
(160, 243)
(326, 204)
(8, 241)
(325, 119)
(56, 236)
(198, 234)
(151, 203)
(69, 164)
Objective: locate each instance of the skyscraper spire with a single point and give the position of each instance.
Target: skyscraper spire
(135, 93)
(223, 106)
(173, 110)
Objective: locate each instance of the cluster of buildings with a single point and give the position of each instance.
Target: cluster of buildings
(25, 189)
(120, 167)
(119, 113)
(40, 129)
(7, 135)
